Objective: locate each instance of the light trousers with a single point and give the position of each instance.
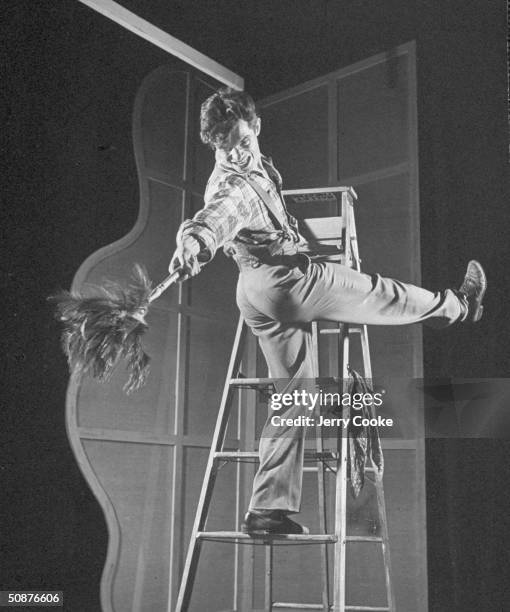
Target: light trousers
(279, 303)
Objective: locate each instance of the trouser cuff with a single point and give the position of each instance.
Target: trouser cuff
(464, 306)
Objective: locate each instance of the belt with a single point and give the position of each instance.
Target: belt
(291, 260)
(282, 251)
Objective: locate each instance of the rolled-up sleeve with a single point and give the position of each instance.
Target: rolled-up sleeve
(225, 213)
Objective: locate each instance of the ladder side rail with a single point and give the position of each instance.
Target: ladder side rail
(247, 407)
(339, 584)
(367, 367)
(339, 554)
(381, 506)
(354, 248)
(192, 557)
(268, 578)
(321, 489)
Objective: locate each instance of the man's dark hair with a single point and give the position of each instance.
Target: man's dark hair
(220, 112)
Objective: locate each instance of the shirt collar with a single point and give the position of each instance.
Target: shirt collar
(268, 165)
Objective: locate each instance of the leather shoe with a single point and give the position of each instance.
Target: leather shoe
(473, 289)
(265, 522)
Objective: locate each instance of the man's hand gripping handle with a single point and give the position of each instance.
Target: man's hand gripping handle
(185, 258)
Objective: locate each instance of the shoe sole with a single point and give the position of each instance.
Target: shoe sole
(256, 532)
(478, 311)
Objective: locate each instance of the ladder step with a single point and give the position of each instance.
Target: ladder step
(251, 382)
(265, 383)
(240, 455)
(301, 606)
(239, 535)
(297, 606)
(367, 608)
(329, 330)
(236, 455)
(364, 539)
(337, 330)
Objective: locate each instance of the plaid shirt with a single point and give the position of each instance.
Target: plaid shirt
(234, 212)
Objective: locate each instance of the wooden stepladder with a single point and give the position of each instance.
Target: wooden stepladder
(332, 238)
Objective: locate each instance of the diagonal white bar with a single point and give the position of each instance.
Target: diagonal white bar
(168, 43)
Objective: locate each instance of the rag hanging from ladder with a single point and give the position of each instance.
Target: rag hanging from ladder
(364, 440)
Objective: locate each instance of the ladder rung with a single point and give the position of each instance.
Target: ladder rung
(297, 606)
(252, 382)
(325, 454)
(368, 608)
(364, 539)
(236, 455)
(240, 455)
(281, 604)
(337, 330)
(239, 535)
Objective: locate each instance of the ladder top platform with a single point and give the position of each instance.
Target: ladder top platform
(321, 193)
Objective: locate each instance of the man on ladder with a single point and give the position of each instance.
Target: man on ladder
(280, 292)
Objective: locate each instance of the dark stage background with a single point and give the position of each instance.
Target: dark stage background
(69, 187)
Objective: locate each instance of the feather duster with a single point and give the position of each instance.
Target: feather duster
(106, 325)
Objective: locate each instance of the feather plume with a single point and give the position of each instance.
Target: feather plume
(105, 326)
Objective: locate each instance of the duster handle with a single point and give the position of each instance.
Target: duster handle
(164, 284)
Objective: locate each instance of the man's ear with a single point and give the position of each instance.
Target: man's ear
(257, 126)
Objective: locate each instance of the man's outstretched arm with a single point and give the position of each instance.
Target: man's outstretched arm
(223, 216)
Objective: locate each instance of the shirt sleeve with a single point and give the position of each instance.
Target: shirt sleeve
(225, 213)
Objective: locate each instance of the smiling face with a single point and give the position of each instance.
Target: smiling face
(240, 149)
